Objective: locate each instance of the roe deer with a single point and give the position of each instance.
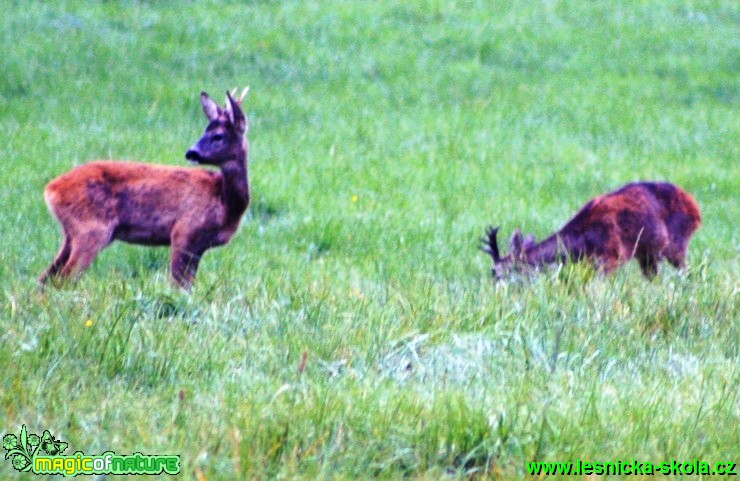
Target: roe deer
(646, 220)
(190, 209)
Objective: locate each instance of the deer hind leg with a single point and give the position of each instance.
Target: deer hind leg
(59, 261)
(83, 250)
(650, 253)
(680, 227)
(677, 260)
(649, 265)
(676, 254)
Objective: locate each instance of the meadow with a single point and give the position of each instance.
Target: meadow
(351, 329)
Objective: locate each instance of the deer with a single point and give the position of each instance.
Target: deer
(649, 221)
(190, 209)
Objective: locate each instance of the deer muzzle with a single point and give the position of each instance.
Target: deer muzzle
(193, 155)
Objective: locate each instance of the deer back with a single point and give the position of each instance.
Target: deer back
(137, 202)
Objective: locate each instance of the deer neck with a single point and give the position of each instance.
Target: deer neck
(548, 251)
(235, 182)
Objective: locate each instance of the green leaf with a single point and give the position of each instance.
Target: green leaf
(24, 437)
(15, 451)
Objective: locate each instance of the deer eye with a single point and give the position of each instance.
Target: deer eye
(217, 137)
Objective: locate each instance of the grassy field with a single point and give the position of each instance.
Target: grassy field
(385, 137)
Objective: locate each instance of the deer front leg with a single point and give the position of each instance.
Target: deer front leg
(608, 264)
(184, 268)
(186, 254)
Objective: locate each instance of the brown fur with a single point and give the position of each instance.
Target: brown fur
(650, 221)
(190, 209)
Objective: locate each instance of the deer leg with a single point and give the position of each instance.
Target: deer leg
(679, 262)
(609, 264)
(59, 261)
(676, 255)
(610, 257)
(649, 265)
(187, 249)
(184, 266)
(84, 248)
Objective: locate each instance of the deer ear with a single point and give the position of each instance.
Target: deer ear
(236, 116)
(210, 108)
(515, 245)
(529, 242)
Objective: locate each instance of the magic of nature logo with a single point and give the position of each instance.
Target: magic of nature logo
(43, 455)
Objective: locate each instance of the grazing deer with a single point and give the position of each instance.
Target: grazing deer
(646, 220)
(190, 209)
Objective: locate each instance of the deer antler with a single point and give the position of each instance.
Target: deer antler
(243, 94)
(241, 97)
(489, 245)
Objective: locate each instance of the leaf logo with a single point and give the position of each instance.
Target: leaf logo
(51, 446)
(21, 449)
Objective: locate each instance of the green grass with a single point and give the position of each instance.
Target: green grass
(441, 118)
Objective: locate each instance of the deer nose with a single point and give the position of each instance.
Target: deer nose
(193, 155)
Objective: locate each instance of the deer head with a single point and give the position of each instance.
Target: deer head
(223, 139)
(517, 257)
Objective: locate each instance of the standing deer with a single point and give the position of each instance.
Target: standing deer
(646, 220)
(190, 209)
